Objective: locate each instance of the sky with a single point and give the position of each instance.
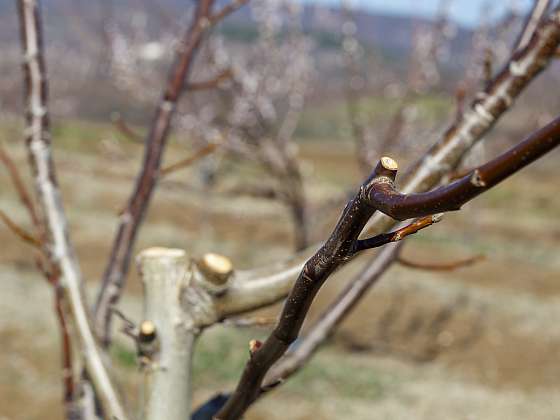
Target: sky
(465, 12)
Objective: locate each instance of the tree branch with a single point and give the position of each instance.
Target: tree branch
(166, 340)
(121, 125)
(498, 97)
(59, 248)
(115, 273)
(530, 24)
(256, 288)
(376, 193)
(342, 244)
(448, 266)
(385, 197)
(333, 315)
(398, 235)
(20, 232)
(183, 163)
(20, 187)
(442, 158)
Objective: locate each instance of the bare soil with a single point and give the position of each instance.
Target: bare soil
(480, 342)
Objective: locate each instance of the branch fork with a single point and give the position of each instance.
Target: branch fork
(341, 246)
(378, 192)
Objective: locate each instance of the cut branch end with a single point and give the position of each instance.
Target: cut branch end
(147, 331)
(216, 269)
(389, 163)
(386, 167)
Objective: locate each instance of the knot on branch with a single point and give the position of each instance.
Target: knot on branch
(254, 345)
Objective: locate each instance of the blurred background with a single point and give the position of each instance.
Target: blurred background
(290, 105)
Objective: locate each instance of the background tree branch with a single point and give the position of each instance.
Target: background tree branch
(115, 273)
(58, 247)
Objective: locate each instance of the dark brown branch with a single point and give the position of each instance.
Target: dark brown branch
(445, 155)
(132, 217)
(483, 113)
(448, 266)
(339, 248)
(340, 308)
(385, 197)
(378, 192)
(333, 315)
(266, 192)
(183, 163)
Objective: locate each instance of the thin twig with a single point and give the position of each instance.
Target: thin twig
(447, 266)
(487, 66)
(183, 163)
(20, 187)
(20, 232)
(257, 321)
(66, 346)
(125, 129)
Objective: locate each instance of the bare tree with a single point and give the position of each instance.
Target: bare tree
(429, 43)
(258, 108)
(131, 218)
(183, 296)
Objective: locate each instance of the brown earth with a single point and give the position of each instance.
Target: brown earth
(477, 343)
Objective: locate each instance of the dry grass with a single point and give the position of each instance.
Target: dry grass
(479, 342)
